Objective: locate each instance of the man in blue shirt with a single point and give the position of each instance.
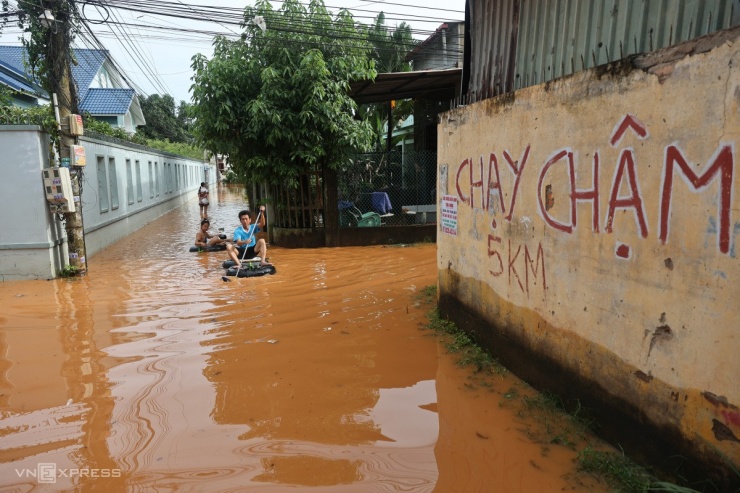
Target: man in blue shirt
(244, 239)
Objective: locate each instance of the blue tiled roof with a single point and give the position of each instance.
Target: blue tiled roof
(107, 101)
(13, 57)
(17, 80)
(94, 100)
(88, 65)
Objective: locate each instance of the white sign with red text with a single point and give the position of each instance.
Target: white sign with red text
(448, 210)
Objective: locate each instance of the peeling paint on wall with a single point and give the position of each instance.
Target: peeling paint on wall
(610, 209)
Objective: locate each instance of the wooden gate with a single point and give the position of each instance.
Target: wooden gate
(300, 206)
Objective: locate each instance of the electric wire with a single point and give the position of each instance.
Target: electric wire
(236, 16)
(91, 40)
(88, 36)
(137, 57)
(277, 23)
(230, 15)
(210, 19)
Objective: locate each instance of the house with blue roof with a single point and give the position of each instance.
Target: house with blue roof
(25, 92)
(102, 89)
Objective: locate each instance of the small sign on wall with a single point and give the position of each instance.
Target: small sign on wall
(78, 153)
(448, 210)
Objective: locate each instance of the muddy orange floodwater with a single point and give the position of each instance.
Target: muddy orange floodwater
(153, 374)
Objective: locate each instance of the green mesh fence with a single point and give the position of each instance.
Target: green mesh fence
(388, 188)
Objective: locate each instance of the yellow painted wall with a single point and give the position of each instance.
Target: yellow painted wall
(594, 222)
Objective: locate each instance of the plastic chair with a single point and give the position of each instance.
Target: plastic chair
(351, 216)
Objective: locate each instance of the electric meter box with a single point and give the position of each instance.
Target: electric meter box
(78, 156)
(58, 188)
(75, 125)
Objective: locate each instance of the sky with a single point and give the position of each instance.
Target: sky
(158, 61)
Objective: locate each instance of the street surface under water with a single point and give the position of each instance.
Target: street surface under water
(152, 374)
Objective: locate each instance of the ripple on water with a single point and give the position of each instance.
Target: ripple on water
(375, 468)
(175, 379)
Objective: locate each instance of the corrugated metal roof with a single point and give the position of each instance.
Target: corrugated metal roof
(519, 43)
(432, 84)
(586, 34)
(492, 33)
(107, 101)
(441, 50)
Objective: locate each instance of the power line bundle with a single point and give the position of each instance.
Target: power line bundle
(109, 14)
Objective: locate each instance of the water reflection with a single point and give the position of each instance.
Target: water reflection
(52, 381)
(408, 416)
(306, 368)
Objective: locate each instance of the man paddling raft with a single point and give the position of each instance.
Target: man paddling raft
(245, 244)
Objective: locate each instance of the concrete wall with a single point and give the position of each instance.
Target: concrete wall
(588, 237)
(170, 183)
(382, 235)
(33, 241)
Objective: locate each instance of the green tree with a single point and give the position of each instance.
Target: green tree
(390, 46)
(179, 148)
(45, 62)
(276, 101)
(162, 119)
(184, 119)
(390, 49)
(5, 96)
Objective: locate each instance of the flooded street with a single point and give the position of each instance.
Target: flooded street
(152, 374)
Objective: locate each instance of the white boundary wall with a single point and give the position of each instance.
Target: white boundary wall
(33, 240)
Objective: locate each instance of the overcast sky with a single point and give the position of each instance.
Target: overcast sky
(158, 61)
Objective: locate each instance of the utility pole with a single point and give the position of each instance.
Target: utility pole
(57, 56)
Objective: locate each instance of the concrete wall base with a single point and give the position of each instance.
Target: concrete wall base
(385, 235)
(525, 344)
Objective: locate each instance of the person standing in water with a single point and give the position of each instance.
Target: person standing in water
(203, 200)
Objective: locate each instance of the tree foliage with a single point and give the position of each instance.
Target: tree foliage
(5, 96)
(92, 124)
(163, 120)
(276, 101)
(184, 119)
(44, 63)
(390, 48)
(37, 115)
(180, 148)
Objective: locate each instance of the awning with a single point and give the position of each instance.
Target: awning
(428, 84)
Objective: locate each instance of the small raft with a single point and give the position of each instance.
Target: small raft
(230, 263)
(215, 248)
(253, 269)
